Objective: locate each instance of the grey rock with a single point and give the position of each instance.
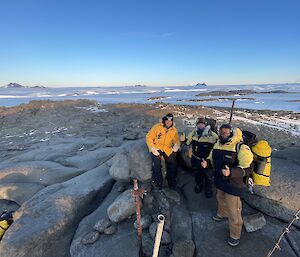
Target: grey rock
(148, 201)
(181, 226)
(161, 200)
(39, 172)
(148, 243)
(281, 199)
(110, 230)
(171, 194)
(19, 192)
(254, 222)
(91, 237)
(140, 164)
(102, 224)
(146, 221)
(183, 248)
(119, 169)
(88, 160)
(184, 155)
(165, 239)
(52, 215)
(122, 208)
(87, 224)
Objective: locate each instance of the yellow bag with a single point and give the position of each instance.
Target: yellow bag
(3, 227)
(261, 163)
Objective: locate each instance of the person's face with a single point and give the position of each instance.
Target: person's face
(201, 125)
(225, 133)
(168, 123)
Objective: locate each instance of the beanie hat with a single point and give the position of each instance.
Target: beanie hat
(227, 126)
(201, 120)
(168, 116)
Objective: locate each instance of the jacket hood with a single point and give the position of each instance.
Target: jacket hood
(237, 137)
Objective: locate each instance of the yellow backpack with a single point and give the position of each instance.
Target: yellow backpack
(6, 219)
(261, 163)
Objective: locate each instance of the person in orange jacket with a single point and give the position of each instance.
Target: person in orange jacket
(162, 140)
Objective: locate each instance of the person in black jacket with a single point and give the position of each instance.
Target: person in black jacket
(202, 140)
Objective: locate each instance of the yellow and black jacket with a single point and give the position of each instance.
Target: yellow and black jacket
(162, 138)
(238, 157)
(202, 144)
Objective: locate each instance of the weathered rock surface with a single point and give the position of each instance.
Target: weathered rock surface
(102, 224)
(119, 169)
(146, 221)
(40, 172)
(90, 159)
(254, 222)
(52, 215)
(122, 207)
(183, 248)
(132, 161)
(282, 198)
(19, 192)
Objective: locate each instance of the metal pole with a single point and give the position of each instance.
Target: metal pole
(159, 231)
(231, 111)
(137, 193)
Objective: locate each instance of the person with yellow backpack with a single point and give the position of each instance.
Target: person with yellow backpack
(231, 166)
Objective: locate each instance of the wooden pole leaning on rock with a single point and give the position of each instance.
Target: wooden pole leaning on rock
(159, 231)
(137, 194)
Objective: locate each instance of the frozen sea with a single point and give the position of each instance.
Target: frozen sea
(271, 96)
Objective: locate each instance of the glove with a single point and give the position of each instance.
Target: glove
(190, 152)
(204, 164)
(154, 150)
(175, 148)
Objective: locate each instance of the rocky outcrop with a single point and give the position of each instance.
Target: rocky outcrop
(282, 198)
(40, 172)
(19, 192)
(49, 219)
(132, 161)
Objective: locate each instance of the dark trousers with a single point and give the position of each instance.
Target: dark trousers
(202, 176)
(171, 164)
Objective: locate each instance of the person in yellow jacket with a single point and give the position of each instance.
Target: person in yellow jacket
(162, 140)
(231, 160)
(202, 140)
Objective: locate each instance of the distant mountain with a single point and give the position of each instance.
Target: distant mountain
(38, 87)
(16, 85)
(200, 85)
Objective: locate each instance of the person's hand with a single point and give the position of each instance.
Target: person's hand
(226, 171)
(175, 148)
(204, 164)
(190, 152)
(154, 150)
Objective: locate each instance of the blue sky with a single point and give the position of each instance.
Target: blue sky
(159, 42)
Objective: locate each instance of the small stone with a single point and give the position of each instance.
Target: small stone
(183, 248)
(90, 238)
(148, 200)
(121, 188)
(102, 224)
(254, 222)
(171, 194)
(145, 221)
(110, 230)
